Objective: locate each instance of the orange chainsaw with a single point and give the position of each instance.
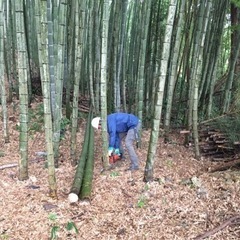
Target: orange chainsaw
(114, 158)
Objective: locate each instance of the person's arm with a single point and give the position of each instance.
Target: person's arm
(117, 141)
(112, 135)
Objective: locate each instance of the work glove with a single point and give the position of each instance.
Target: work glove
(117, 151)
(110, 151)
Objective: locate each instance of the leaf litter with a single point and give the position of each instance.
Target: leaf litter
(183, 202)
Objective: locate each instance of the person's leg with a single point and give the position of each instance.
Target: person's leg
(122, 135)
(130, 138)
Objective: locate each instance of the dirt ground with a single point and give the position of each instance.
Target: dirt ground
(182, 202)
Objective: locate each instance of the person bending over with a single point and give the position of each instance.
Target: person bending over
(120, 125)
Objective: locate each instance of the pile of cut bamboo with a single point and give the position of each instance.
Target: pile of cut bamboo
(217, 145)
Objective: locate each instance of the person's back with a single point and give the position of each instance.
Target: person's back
(121, 122)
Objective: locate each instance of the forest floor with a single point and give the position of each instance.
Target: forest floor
(183, 202)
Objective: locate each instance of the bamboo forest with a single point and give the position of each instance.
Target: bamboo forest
(119, 119)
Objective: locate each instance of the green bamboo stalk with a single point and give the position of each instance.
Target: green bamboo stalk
(3, 94)
(23, 90)
(78, 179)
(86, 188)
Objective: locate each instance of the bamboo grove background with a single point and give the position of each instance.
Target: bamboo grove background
(174, 63)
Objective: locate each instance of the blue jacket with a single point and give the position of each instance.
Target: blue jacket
(119, 123)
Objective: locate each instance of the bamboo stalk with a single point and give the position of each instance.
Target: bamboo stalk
(77, 182)
(86, 188)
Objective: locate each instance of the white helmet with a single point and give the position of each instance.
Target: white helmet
(95, 122)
